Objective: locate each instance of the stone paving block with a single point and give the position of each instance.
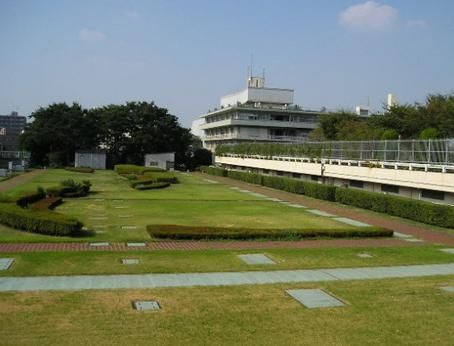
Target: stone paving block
(210, 181)
(451, 251)
(129, 261)
(124, 216)
(6, 263)
(99, 244)
(136, 244)
(128, 227)
(256, 259)
(314, 298)
(121, 207)
(449, 289)
(413, 240)
(274, 199)
(98, 218)
(364, 255)
(320, 212)
(402, 235)
(296, 206)
(146, 305)
(352, 222)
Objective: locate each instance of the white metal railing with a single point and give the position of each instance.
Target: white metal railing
(21, 155)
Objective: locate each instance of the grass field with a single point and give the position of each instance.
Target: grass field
(74, 263)
(378, 312)
(114, 205)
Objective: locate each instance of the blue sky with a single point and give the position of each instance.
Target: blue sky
(184, 55)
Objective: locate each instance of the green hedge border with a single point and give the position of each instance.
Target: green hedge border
(425, 212)
(210, 233)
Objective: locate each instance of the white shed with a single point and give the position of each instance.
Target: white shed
(91, 159)
(161, 160)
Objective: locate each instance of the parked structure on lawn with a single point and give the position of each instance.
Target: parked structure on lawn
(91, 159)
(161, 160)
(258, 114)
(418, 169)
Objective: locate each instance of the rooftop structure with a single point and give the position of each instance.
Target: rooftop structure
(11, 126)
(257, 114)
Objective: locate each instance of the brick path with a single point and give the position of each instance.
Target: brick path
(340, 210)
(206, 245)
(19, 180)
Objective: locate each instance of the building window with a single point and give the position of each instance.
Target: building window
(432, 194)
(265, 171)
(279, 173)
(356, 183)
(390, 188)
(296, 175)
(314, 177)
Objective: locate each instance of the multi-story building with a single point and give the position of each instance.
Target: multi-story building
(11, 126)
(257, 114)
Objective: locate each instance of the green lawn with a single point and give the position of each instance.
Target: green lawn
(74, 263)
(113, 205)
(378, 312)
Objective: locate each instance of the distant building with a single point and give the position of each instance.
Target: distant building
(92, 159)
(161, 160)
(257, 114)
(362, 111)
(11, 126)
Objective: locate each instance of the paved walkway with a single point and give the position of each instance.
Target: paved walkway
(206, 245)
(340, 210)
(87, 282)
(19, 180)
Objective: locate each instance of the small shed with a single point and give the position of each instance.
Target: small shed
(91, 159)
(161, 160)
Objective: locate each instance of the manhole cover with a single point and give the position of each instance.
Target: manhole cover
(6, 263)
(145, 305)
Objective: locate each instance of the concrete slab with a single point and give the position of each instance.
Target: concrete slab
(413, 240)
(352, 222)
(129, 261)
(124, 216)
(451, 251)
(402, 235)
(296, 206)
(146, 305)
(449, 289)
(128, 227)
(83, 282)
(136, 244)
(364, 255)
(255, 259)
(99, 218)
(210, 181)
(6, 263)
(100, 244)
(274, 199)
(121, 207)
(320, 213)
(314, 298)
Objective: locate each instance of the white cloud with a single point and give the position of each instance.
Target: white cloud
(369, 15)
(91, 35)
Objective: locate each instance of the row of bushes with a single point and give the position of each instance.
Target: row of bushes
(134, 169)
(152, 186)
(426, 212)
(30, 198)
(80, 169)
(430, 213)
(43, 222)
(204, 232)
(69, 188)
(47, 203)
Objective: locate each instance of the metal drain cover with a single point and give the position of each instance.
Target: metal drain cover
(145, 305)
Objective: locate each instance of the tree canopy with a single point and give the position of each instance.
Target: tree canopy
(126, 132)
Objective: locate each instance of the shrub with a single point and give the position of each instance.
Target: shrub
(158, 185)
(134, 169)
(147, 181)
(252, 178)
(69, 188)
(221, 172)
(43, 222)
(28, 199)
(168, 177)
(286, 184)
(47, 203)
(320, 191)
(204, 232)
(80, 169)
(430, 213)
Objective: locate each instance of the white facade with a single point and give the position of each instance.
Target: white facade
(164, 161)
(257, 114)
(90, 160)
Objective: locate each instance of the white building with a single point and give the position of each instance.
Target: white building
(257, 114)
(90, 159)
(161, 160)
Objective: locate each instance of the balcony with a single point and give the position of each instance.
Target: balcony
(260, 123)
(268, 138)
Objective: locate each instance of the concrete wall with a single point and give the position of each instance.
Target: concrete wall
(161, 160)
(92, 160)
(410, 182)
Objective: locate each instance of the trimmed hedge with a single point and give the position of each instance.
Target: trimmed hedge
(430, 213)
(42, 222)
(158, 185)
(426, 212)
(47, 203)
(69, 188)
(204, 232)
(167, 177)
(134, 169)
(31, 198)
(80, 169)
